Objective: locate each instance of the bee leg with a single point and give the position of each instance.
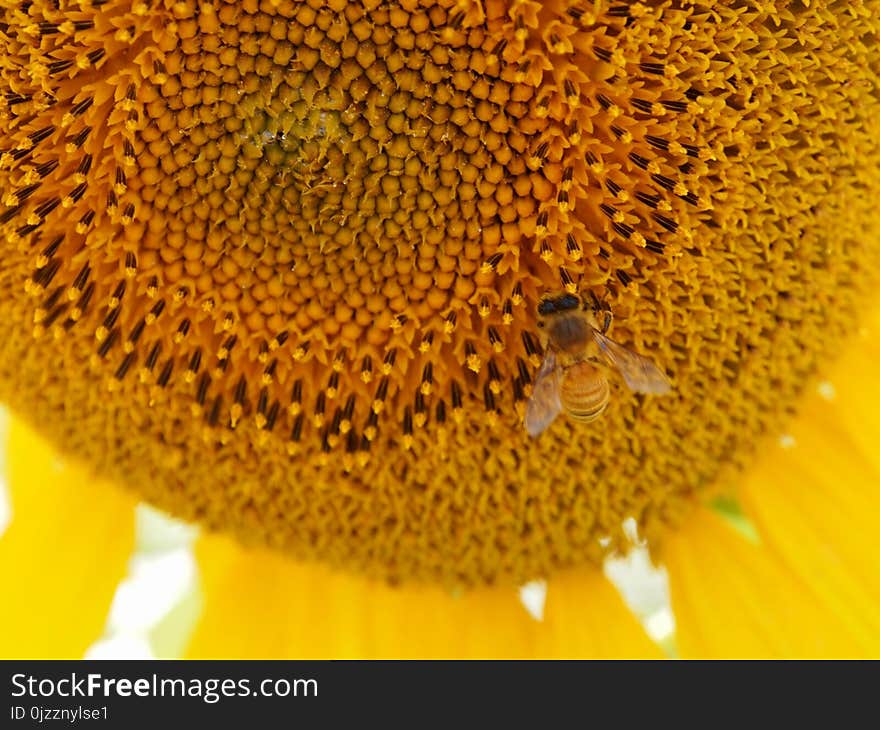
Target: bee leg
(605, 308)
(606, 323)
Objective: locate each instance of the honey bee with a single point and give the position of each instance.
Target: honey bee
(576, 357)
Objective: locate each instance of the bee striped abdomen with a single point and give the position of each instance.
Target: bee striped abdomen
(584, 392)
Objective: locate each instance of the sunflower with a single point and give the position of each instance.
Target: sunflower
(274, 266)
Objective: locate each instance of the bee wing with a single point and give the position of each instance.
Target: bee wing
(641, 375)
(544, 405)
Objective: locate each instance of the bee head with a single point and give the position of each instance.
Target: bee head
(562, 303)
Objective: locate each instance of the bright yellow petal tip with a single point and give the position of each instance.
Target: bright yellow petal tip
(63, 554)
(735, 599)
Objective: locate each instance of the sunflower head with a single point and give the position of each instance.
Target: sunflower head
(276, 265)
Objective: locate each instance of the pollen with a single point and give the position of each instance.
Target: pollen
(274, 265)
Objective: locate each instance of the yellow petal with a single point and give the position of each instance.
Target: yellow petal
(733, 598)
(63, 554)
(585, 610)
(259, 604)
(817, 502)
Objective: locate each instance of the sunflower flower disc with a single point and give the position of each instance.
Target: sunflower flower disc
(274, 265)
